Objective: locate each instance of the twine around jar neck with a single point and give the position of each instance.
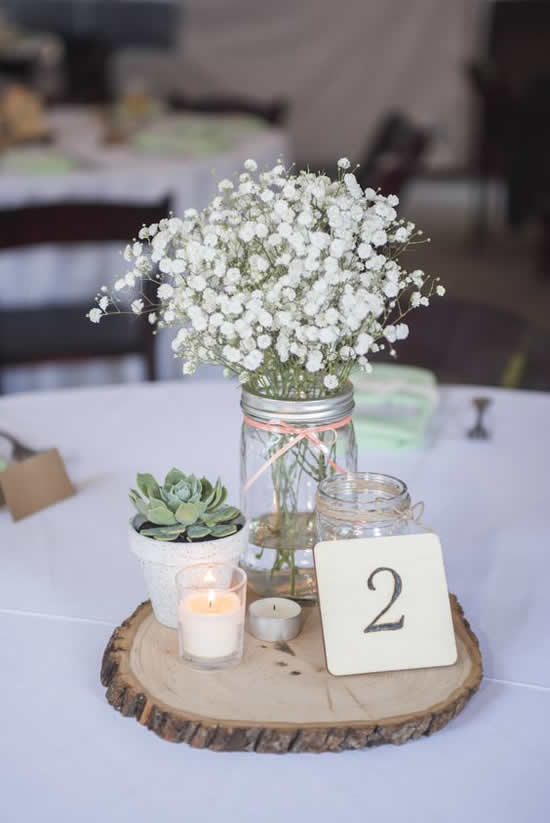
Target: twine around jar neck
(413, 513)
(295, 435)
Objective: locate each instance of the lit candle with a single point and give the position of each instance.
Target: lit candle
(211, 603)
(210, 623)
(275, 618)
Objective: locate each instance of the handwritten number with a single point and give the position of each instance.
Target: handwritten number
(397, 587)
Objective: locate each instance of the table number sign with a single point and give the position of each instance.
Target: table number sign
(384, 604)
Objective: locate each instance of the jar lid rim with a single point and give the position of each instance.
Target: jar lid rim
(320, 410)
(362, 480)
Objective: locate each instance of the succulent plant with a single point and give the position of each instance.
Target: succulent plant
(184, 507)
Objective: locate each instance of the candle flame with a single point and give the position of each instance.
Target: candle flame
(210, 577)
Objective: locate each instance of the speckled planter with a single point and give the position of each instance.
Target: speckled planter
(161, 561)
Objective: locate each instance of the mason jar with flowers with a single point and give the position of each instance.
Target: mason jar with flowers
(289, 281)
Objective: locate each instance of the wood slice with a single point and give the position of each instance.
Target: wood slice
(281, 697)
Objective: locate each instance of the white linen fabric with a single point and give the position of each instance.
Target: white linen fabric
(67, 578)
(49, 274)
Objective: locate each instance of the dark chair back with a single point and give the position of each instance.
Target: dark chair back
(61, 332)
(463, 342)
(17, 69)
(274, 113)
(394, 155)
(69, 222)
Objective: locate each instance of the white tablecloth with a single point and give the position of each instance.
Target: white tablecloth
(49, 274)
(67, 577)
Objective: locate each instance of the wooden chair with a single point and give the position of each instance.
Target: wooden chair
(394, 155)
(274, 113)
(61, 333)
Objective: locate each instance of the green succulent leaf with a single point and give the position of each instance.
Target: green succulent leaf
(187, 514)
(173, 477)
(171, 499)
(168, 534)
(210, 498)
(220, 494)
(223, 515)
(201, 509)
(182, 490)
(223, 530)
(197, 531)
(148, 486)
(206, 488)
(139, 502)
(159, 514)
(190, 489)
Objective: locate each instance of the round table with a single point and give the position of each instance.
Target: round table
(67, 578)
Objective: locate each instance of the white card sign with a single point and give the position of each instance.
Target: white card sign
(384, 604)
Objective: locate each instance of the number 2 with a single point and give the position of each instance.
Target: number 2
(397, 587)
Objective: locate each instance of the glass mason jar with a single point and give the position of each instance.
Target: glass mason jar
(363, 504)
(288, 447)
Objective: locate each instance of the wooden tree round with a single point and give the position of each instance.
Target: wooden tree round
(281, 697)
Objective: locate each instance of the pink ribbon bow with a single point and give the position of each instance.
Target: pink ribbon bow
(309, 433)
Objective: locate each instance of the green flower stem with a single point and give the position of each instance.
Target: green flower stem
(287, 474)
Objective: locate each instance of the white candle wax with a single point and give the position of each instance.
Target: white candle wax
(210, 624)
(275, 608)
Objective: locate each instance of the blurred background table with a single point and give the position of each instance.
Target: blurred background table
(179, 157)
(67, 578)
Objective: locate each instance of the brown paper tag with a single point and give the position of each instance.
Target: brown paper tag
(35, 483)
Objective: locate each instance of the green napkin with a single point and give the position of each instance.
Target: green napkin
(195, 135)
(36, 161)
(393, 406)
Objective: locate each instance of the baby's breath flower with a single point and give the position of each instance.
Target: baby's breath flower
(287, 280)
(231, 354)
(331, 382)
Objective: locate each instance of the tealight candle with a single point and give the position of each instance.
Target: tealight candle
(211, 604)
(275, 618)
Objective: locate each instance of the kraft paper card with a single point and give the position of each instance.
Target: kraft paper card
(35, 483)
(384, 604)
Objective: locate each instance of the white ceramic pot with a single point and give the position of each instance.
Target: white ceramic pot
(161, 561)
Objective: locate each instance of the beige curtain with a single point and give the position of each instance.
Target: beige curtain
(341, 64)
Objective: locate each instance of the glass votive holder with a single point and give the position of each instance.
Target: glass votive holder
(211, 609)
(362, 504)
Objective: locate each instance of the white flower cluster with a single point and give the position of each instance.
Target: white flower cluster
(286, 280)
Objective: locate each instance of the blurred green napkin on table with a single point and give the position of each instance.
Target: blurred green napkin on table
(195, 135)
(393, 405)
(36, 160)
